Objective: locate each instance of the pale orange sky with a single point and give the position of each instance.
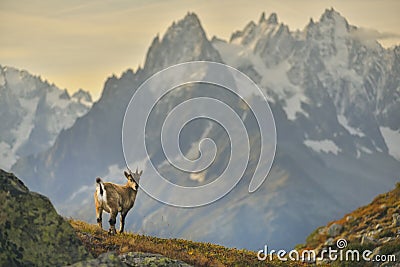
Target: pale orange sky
(78, 44)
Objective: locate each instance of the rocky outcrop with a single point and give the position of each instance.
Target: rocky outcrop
(374, 227)
(31, 231)
(131, 259)
(334, 230)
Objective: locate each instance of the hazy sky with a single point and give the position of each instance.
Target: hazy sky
(78, 44)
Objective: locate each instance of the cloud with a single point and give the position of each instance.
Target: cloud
(372, 34)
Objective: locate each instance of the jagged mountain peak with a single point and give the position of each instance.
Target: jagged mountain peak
(191, 19)
(333, 19)
(331, 13)
(12, 69)
(311, 24)
(262, 18)
(265, 29)
(272, 19)
(331, 23)
(82, 96)
(188, 27)
(13, 75)
(183, 41)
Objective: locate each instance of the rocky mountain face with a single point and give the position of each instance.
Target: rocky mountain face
(31, 231)
(347, 87)
(33, 112)
(375, 227)
(334, 98)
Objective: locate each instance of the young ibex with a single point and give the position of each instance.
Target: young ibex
(113, 198)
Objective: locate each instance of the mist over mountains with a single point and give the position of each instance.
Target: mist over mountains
(335, 99)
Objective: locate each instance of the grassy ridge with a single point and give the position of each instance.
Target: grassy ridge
(194, 253)
(363, 221)
(371, 227)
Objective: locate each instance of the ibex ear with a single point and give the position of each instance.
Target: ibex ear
(140, 173)
(126, 174)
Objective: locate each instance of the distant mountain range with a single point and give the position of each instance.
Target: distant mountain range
(33, 113)
(335, 99)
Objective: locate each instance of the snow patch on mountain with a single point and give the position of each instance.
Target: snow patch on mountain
(392, 139)
(343, 121)
(365, 150)
(27, 123)
(270, 77)
(293, 106)
(327, 146)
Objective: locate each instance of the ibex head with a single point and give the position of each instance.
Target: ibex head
(133, 178)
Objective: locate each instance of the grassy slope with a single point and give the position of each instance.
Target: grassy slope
(194, 253)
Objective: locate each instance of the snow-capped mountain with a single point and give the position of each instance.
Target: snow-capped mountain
(33, 113)
(325, 73)
(334, 97)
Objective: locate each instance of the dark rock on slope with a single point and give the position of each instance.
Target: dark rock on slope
(31, 231)
(141, 259)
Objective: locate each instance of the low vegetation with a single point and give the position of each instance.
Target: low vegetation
(375, 227)
(194, 253)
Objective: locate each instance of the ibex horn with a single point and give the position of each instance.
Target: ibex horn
(129, 169)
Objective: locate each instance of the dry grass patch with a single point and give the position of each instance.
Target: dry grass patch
(194, 253)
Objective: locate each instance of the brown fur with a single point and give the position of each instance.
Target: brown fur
(113, 198)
